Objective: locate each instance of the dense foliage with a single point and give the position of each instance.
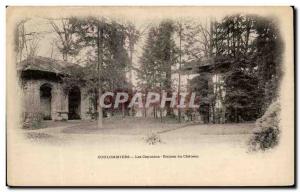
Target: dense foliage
(159, 55)
(246, 51)
(266, 134)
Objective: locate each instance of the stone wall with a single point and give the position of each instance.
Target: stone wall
(59, 100)
(85, 105)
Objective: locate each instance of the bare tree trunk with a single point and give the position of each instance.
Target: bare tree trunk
(131, 49)
(214, 74)
(130, 74)
(213, 113)
(51, 54)
(123, 110)
(236, 115)
(179, 77)
(145, 111)
(65, 56)
(169, 90)
(100, 61)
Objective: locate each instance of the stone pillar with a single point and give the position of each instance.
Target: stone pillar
(64, 104)
(55, 102)
(31, 100)
(211, 111)
(84, 104)
(61, 103)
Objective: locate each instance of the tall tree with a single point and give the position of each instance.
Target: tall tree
(106, 41)
(132, 38)
(245, 53)
(26, 43)
(252, 47)
(67, 36)
(233, 46)
(268, 47)
(159, 55)
(197, 42)
(149, 74)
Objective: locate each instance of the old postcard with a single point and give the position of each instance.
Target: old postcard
(150, 96)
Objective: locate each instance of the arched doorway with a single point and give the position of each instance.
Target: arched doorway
(45, 99)
(74, 103)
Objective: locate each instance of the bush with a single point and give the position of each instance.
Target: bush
(266, 133)
(153, 139)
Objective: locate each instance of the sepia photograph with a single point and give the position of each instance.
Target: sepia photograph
(150, 96)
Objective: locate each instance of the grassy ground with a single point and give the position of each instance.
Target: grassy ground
(136, 130)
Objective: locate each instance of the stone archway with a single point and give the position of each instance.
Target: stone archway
(74, 98)
(45, 101)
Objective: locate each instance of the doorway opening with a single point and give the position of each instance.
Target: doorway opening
(74, 103)
(45, 99)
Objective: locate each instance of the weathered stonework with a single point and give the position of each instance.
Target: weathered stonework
(56, 102)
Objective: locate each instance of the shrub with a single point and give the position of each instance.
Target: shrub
(153, 139)
(266, 134)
